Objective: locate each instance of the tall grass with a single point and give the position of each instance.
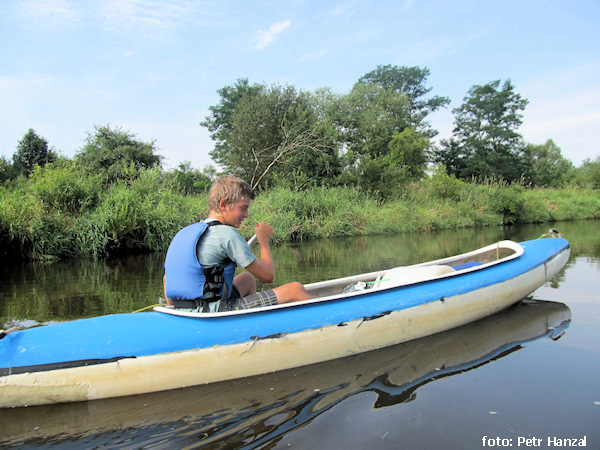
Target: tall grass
(43, 220)
(60, 212)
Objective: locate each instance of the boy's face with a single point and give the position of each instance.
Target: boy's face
(234, 214)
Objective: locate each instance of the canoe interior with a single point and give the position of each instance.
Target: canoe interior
(468, 262)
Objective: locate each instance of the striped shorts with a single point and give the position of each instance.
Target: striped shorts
(263, 298)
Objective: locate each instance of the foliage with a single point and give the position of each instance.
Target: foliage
(410, 82)
(7, 170)
(325, 165)
(444, 186)
(188, 180)
(31, 151)
(65, 187)
(405, 161)
(219, 122)
(313, 213)
(369, 117)
(409, 154)
(143, 214)
(485, 141)
(62, 212)
(588, 175)
(275, 132)
(370, 114)
(546, 165)
(116, 154)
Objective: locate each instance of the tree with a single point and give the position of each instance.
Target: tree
(368, 118)
(588, 174)
(485, 140)
(116, 154)
(31, 151)
(194, 181)
(406, 161)
(591, 170)
(409, 81)
(219, 122)
(409, 154)
(7, 171)
(546, 165)
(273, 133)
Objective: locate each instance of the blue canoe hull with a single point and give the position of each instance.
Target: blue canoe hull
(130, 339)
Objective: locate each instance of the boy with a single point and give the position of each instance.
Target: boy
(201, 260)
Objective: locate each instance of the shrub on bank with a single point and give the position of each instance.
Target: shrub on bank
(39, 221)
(60, 213)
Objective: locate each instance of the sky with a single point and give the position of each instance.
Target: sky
(153, 67)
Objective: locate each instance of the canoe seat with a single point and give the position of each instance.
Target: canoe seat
(467, 265)
(406, 275)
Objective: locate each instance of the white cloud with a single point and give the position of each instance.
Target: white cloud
(112, 14)
(266, 38)
(153, 14)
(339, 44)
(49, 13)
(315, 55)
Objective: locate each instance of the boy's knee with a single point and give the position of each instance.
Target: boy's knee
(297, 286)
(245, 283)
(300, 291)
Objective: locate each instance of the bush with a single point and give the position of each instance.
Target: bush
(60, 212)
(65, 187)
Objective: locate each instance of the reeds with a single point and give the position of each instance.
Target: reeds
(59, 212)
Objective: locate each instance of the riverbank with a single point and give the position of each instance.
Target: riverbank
(75, 217)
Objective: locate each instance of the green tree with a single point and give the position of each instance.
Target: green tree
(220, 121)
(587, 175)
(485, 140)
(546, 165)
(592, 172)
(116, 154)
(194, 181)
(7, 170)
(273, 134)
(411, 82)
(409, 154)
(31, 151)
(406, 161)
(368, 117)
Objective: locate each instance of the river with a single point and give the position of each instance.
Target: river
(525, 377)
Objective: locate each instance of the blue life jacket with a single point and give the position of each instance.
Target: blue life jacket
(185, 278)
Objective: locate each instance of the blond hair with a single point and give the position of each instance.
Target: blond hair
(230, 188)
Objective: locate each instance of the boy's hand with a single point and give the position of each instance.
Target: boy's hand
(264, 232)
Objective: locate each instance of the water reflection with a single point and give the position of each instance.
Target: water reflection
(262, 409)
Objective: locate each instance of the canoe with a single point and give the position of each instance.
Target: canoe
(126, 354)
(392, 374)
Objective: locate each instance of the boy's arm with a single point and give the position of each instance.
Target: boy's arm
(263, 268)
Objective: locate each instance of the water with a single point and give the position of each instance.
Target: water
(528, 373)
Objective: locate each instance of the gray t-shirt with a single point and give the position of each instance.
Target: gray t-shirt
(219, 243)
(222, 242)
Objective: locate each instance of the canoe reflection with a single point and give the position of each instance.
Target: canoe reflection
(263, 408)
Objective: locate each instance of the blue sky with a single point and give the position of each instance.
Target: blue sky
(153, 66)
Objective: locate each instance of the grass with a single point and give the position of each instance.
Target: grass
(58, 213)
